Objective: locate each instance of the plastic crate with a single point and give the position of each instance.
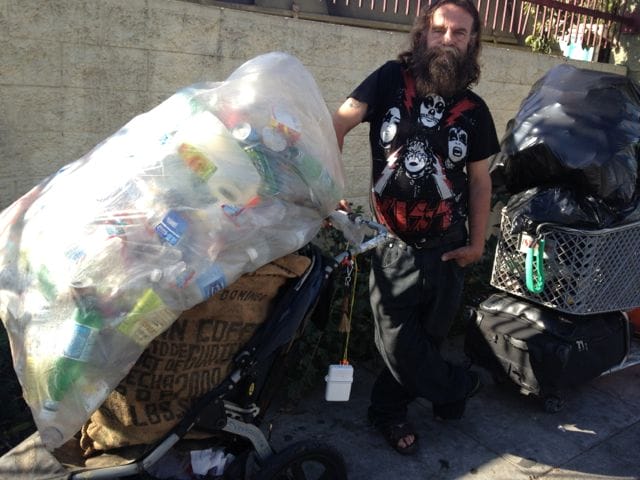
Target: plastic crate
(585, 271)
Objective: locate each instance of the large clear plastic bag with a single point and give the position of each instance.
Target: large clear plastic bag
(578, 128)
(101, 257)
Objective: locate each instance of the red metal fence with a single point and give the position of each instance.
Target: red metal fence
(590, 23)
(587, 23)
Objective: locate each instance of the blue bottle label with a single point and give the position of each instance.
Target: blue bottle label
(172, 228)
(81, 344)
(211, 281)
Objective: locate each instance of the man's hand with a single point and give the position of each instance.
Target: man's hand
(344, 205)
(464, 255)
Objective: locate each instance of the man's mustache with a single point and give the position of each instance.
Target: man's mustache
(446, 49)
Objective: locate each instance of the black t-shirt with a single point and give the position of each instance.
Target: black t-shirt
(420, 147)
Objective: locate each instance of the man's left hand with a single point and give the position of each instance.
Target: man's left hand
(464, 255)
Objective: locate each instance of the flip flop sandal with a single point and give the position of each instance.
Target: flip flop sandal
(394, 432)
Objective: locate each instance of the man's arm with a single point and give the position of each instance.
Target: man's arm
(479, 208)
(479, 203)
(350, 114)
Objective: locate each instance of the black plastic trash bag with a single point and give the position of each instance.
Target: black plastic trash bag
(576, 127)
(558, 205)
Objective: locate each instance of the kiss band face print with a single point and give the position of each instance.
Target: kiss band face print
(416, 159)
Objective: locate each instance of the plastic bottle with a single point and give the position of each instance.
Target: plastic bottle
(148, 318)
(249, 139)
(186, 171)
(314, 174)
(153, 253)
(46, 285)
(182, 234)
(176, 286)
(172, 227)
(213, 277)
(88, 321)
(265, 250)
(215, 156)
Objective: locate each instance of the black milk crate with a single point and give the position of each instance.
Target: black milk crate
(585, 271)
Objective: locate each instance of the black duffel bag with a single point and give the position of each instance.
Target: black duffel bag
(541, 350)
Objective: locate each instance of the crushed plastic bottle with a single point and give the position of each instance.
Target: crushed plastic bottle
(263, 251)
(148, 318)
(69, 367)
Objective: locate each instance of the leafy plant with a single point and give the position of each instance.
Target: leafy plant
(541, 42)
(323, 343)
(318, 347)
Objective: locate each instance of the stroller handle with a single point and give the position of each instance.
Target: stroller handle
(381, 236)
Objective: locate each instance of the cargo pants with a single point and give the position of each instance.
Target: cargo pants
(414, 297)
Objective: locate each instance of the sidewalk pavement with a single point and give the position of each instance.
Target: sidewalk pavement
(503, 436)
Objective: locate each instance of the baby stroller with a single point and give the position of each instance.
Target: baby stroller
(231, 412)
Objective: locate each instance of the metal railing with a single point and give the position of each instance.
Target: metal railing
(594, 24)
(588, 23)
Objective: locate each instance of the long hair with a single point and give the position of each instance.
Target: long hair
(421, 27)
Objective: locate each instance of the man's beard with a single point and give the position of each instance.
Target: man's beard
(441, 70)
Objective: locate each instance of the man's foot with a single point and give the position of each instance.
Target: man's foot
(400, 436)
(455, 410)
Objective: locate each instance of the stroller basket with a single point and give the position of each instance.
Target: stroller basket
(584, 271)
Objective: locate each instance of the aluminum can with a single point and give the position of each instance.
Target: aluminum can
(245, 133)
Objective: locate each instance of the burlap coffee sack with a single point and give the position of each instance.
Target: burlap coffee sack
(186, 361)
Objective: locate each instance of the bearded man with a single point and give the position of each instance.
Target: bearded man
(417, 277)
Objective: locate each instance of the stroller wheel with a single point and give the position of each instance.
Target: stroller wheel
(306, 460)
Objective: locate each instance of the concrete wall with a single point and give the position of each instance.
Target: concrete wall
(628, 53)
(73, 71)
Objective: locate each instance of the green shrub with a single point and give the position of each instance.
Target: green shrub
(324, 345)
(318, 348)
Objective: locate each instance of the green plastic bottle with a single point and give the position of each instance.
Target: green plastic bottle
(70, 366)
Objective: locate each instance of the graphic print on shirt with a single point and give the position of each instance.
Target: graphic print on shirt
(389, 127)
(411, 218)
(387, 172)
(423, 146)
(420, 161)
(417, 194)
(431, 110)
(458, 141)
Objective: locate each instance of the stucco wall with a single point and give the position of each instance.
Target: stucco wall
(628, 54)
(73, 71)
